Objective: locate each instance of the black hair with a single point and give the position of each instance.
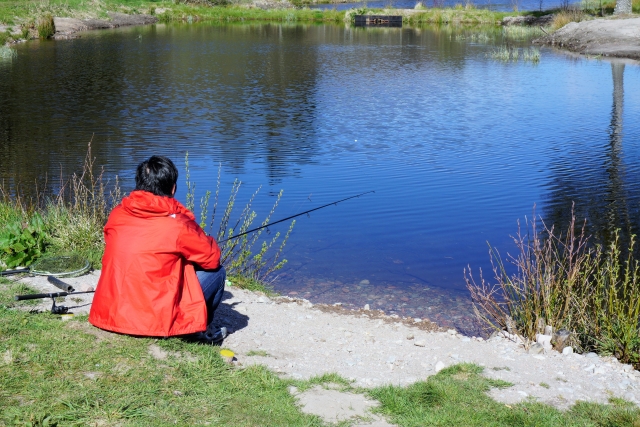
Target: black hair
(157, 175)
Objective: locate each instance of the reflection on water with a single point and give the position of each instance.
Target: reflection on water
(458, 147)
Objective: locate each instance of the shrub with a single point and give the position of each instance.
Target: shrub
(563, 281)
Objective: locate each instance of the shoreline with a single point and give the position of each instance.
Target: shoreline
(605, 37)
(300, 340)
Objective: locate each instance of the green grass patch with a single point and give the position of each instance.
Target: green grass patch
(70, 373)
(457, 396)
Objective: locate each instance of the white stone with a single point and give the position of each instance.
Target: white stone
(567, 350)
(366, 307)
(439, 366)
(410, 336)
(419, 343)
(543, 340)
(452, 332)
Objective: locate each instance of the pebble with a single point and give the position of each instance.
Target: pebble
(366, 307)
(452, 332)
(439, 366)
(536, 348)
(262, 300)
(419, 343)
(591, 355)
(410, 336)
(567, 350)
(364, 282)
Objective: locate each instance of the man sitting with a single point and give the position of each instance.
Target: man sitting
(161, 274)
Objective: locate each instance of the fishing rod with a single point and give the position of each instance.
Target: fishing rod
(296, 215)
(68, 289)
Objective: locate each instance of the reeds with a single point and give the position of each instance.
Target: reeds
(564, 282)
(508, 53)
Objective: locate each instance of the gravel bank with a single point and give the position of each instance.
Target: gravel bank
(298, 339)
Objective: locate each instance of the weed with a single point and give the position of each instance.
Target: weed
(545, 385)
(531, 54)
(45, 26)
(564, 282)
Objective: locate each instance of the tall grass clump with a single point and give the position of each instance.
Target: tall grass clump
(563, 281)
(566, 16)
(520, 32)
(69, 221)
(45, 26)
(75, 217)
(239, 254)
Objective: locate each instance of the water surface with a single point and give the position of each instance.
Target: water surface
(458, 147)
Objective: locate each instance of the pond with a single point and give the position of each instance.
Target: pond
(458, 147)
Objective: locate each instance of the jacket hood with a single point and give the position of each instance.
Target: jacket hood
(143, 204)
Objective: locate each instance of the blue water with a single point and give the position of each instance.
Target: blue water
(457, 146)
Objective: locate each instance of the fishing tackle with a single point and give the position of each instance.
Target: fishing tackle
(296, 215)
(60, 309)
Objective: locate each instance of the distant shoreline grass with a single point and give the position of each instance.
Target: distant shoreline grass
(33, 18)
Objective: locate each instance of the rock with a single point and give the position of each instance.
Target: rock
(439, 366)
(544, 340)
(591, 355)
(262, 300)
(177, 393)
(567, 350)
(417, 320)
(366, 307)
(419, 343)
(561, 338)
(452, 332)
(410, 336)
(548, 330)
(364, 282)
(536, 348)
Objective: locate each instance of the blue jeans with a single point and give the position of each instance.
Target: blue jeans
(212, 284)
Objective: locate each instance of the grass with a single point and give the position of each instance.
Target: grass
(69, 373)
(563, 281)
(457, 396)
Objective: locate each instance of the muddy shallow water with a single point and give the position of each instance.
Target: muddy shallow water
(457, 146)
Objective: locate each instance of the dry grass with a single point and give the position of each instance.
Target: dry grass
(563, 281)
(564, 17)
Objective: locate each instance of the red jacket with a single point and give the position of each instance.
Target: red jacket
(148, 284)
